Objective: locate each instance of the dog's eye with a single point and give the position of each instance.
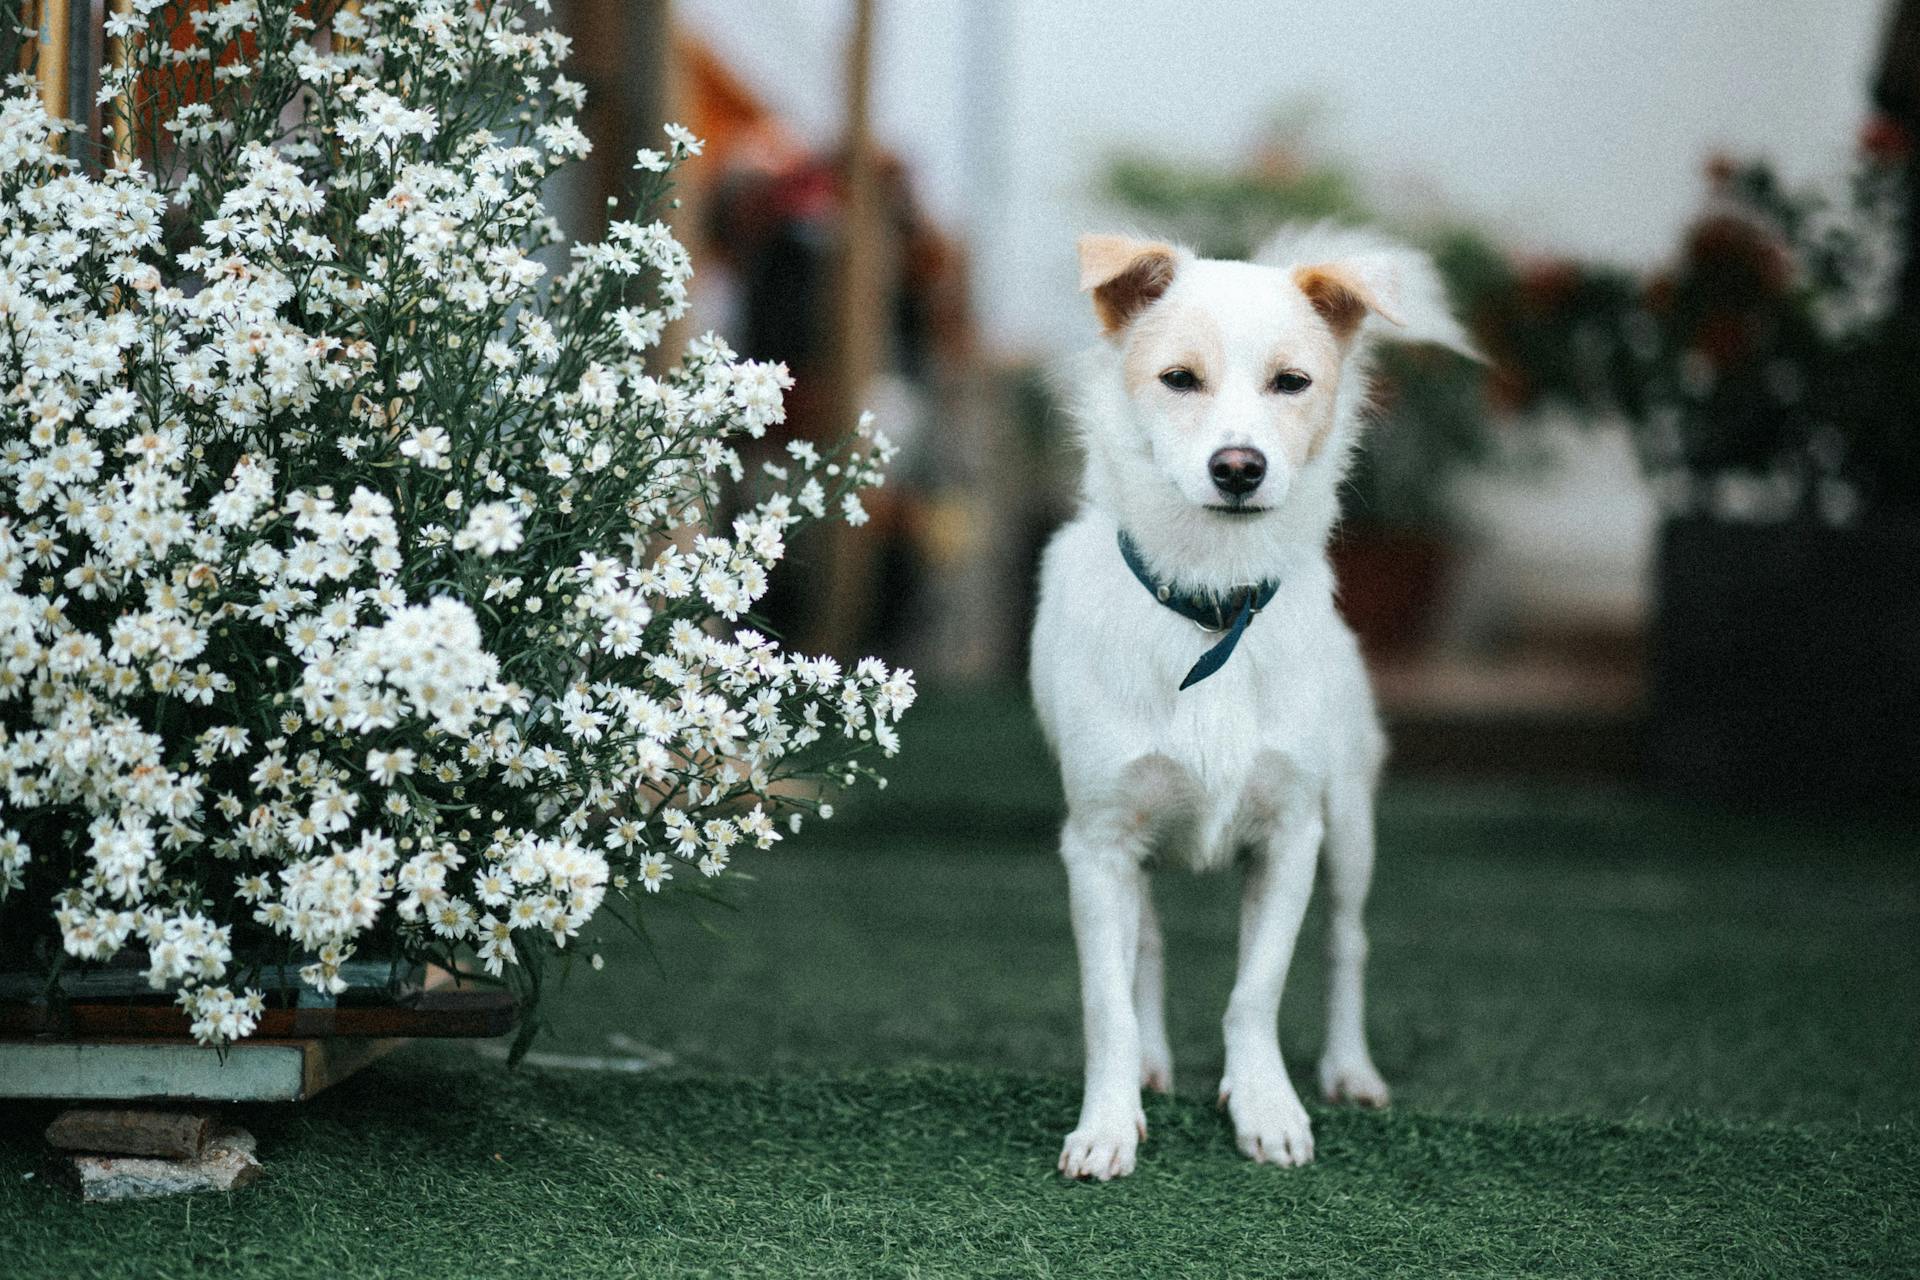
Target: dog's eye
(1291, 382)
(1180, 380)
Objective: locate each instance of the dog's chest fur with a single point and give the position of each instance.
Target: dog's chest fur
(1191, 777)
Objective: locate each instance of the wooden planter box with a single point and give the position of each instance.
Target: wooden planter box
(1785, 665)
(107, 1046)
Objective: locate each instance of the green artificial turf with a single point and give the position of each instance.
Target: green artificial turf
(946, 1172)
(1625, 1038)
(1534, 957)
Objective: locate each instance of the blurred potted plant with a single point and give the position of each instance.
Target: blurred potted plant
(1401, 525)
(1786, 664)
(1773, 381)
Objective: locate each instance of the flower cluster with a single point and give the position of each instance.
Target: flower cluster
(362, 579)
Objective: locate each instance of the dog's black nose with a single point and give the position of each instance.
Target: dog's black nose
(1237, 472)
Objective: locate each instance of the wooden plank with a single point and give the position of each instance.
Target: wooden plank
(227, 1162)
(328, 1062)
(433, 1010)
(126, 979)
(436, 1014)
(294, 1056)
(254, 1070)
(132, 1131)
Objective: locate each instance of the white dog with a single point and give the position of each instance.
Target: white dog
(1206, 702)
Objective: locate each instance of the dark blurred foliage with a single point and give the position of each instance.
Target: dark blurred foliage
(1772, 346)
(1228, 213)
(14, 35)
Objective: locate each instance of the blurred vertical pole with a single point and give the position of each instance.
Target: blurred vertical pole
(652, 40)
(50, 56)
(66, 55)
(623, 54)
(856, 346)
(340, 43)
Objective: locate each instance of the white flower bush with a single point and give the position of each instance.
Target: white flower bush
(360, 587)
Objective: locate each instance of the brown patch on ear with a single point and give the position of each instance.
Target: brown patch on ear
(1343, 297)
(1125, 275)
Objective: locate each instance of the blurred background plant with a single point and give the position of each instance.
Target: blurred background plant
(1766, 370)
(1770, 375)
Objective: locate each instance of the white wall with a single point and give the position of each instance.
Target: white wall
(1573, 125)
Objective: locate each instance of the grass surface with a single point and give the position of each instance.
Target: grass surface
(1532, 956)
(946, 1172)
(1624, 1039)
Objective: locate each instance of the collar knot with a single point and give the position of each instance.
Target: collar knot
(1212, 612)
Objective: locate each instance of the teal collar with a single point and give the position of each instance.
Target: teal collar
(1231, 613)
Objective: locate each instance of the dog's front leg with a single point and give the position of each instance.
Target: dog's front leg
(1269, 1123)
(1105, 888)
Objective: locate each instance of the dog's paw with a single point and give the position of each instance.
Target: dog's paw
(1355, 1081)
(1103, 1152)
(1269, 1124)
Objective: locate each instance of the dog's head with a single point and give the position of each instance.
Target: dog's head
(1238, 383)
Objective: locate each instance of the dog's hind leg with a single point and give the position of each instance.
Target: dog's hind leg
(1150, 1001)
(1347, 1073)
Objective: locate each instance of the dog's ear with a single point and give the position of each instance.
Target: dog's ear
(1344, 292)
(1399, 285)
(1125, 275)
